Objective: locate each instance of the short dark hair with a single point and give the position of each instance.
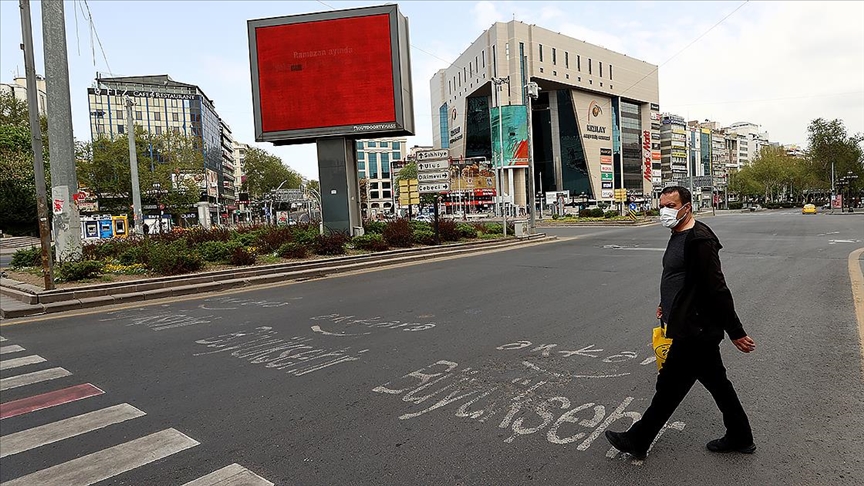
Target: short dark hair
(683, 193)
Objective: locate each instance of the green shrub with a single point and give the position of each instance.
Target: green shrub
(370, 242)
(421, 226)
(196, 236)
(398, 234)
(173, 259)
(246, 238)
(610, 214)
(27, 257)
(293, 250)
(306, 235)
(240, 255)
(596, 213)
(332, 243)
(448, 230)
(133, 254)
(466, 230)
(423, 237)
(373, 226)
(584, 213)
(493, 229)
(652, 212)
(736, 205)
(70, 271)
(217, 251)
(555, 216)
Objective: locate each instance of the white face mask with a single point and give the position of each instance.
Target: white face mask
(669, 217)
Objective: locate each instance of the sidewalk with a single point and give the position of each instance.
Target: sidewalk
(21, 300)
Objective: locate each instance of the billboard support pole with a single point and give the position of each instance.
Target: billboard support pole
(498, 82)
(340, 187)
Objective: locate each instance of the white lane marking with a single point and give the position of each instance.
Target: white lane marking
(10, 349)
(831, 242)
(110, 462)
(64, 429)
(16, 362)
(2, 339)
(318, 329)
(649, 360)
(233, 475)
(34, 377)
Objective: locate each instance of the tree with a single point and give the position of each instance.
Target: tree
(103, 168)
(408, 172)
(18, 213)
(265, 172)
(829, 142)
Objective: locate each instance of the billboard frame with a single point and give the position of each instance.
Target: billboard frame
(400, 63)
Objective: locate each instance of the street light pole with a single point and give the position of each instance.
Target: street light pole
(533, 91)
(498, 82)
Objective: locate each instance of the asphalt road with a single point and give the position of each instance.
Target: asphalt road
(499, 368)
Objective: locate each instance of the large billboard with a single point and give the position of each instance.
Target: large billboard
(345, 73)
(514, 130)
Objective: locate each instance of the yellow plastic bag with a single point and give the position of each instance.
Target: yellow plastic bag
(660, 344)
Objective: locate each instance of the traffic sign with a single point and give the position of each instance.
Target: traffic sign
(433, 165)
(428, 155)
(441, 175)
(429, 187)
(606, 176)
(632, 206)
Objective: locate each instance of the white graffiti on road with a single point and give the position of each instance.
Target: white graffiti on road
(525, 409)
(159, 321)
(372, 323)
(295, 355)
(232, 303)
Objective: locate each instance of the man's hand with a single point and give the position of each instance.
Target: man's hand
(659, 312)
(744, 344)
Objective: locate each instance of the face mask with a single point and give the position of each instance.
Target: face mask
(669, 217)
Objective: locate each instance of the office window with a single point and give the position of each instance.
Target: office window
(601, 68)
(175, 116)
(541, 52)
(494, 62)
(483, 57)
(579, 63)
(119, 128)
(157, 116)
(373, 195)
(361, 155)
(384, 144)
(361, 166)
(476, 65)
(371, 145)
(138, 115)
(385, 166)
(396, 156)
(387, 194)
(465, 73)
(385, 185)
(373, 166)
(610, 72)
(158, 130)
(507, 51)
(566, 60)
(554, 57)
(589, 65)
(358, 145)
(459, 76)
(541, 70)
(470, 69)
(119, 115)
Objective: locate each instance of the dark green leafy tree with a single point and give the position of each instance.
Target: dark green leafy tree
(17, 182)
(265, 172)
(829, 142)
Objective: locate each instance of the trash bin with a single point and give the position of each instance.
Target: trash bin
(520, 228)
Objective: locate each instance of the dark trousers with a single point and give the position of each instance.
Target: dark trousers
(689, 360)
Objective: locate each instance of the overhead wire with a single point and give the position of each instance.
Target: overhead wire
(95, 33)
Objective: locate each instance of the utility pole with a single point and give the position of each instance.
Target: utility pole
(133, 168)
(36, 143)
(64, 179)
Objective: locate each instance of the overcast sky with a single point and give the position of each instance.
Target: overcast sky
(777, 64)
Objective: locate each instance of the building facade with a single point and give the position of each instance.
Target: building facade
(18, 89)
(243, 212)
(595, 125)
(162, 105)
(673, 148)
(374, 169)
(750, 140)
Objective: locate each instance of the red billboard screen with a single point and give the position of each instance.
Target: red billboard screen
(326, 73)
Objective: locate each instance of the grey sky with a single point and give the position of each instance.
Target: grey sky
(778, 64)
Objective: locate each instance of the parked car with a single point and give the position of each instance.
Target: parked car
(809, 209)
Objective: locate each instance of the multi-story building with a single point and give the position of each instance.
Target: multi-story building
(242, 213)
(18, 88)
(161, 105)
(591, 124)
(227, 202)
(374, 158)
(750, 139)
(673, 148)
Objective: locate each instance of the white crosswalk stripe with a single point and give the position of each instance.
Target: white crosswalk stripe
(107, 463)
(64, 429)
(233, 475)
(16, 362)
(10, 349)
(2, 339)
(30, 378)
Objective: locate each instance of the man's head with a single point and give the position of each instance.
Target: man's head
(678, 198)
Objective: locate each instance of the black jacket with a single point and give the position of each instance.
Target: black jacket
(704, 307)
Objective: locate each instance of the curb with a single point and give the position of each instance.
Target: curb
(21, 300)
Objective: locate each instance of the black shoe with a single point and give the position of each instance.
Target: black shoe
(622, 442)
(724, 444)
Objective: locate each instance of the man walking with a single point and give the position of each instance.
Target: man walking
(697, 308)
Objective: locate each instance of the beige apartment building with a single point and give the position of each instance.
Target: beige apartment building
(595, 125)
